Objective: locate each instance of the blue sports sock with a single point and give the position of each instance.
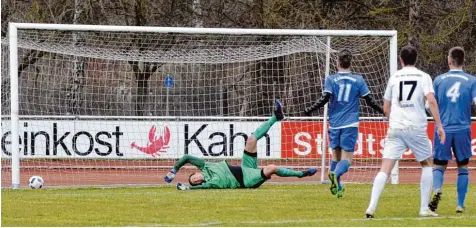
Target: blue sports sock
(462, 185)
(438, 174)
(341, 168)
(333, 165)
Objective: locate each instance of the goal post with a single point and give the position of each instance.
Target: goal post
(198, 91)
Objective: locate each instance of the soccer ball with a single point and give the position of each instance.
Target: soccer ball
(35, 182)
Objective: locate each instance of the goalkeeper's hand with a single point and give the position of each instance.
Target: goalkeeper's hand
(170, 176)
(182, 187)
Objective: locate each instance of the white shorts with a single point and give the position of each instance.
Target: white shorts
(399, 140)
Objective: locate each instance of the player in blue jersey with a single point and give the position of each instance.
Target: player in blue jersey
(454, 91)
(344, 90)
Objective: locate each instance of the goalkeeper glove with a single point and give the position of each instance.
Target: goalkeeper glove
(182, 187)
(170, 176)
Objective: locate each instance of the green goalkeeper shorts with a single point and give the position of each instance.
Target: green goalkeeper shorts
(252, 176)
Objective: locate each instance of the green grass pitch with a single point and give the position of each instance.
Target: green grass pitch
(271, 205)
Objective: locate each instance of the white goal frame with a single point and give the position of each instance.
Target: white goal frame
(13, 64)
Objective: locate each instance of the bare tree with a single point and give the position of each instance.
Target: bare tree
(77, 75)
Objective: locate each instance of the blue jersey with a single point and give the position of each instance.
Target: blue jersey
(455, 92)
(346, 90)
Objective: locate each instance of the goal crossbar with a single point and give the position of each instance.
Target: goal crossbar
(193, 30)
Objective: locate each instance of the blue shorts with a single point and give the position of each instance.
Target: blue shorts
(344, 138)
(459, 142)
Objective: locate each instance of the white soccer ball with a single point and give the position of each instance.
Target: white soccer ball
(35, 182)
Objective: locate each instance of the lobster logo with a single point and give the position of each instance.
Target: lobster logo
(156, 144)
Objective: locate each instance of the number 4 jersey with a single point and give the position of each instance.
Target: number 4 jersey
(346, 89)
(455, 92)
(406, 89)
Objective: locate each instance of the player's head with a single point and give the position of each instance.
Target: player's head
(196, 179)
(456, 57)
(408, 55)
(345, 59)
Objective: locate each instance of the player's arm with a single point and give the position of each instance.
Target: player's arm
(183, 187)
(326, 96)
(386, 108)
(387, 97)
(473, 90)
(318, 104)
(207, 185)
(365, 93)
(373, 104)
(202, 186)
(436, 115)
(435, 94)
(198, 162)
(433, 105)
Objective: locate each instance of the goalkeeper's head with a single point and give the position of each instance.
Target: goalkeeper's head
(345, 59)
(196, 179)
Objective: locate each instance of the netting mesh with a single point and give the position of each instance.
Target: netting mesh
(98, 108)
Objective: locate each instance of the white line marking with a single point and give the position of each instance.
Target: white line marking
(173, 190)
(334, 220)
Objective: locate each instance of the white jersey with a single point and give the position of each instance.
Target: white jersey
(406, 90)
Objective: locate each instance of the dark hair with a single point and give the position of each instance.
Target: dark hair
(190, 179)
(457, 56)
(409, 55)
(345, 58)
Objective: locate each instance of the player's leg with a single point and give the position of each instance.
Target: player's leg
(250, 158)
(379, 184)
(277, 116)
(441, 156)
(270, 170)
(418, 142)
(334, 143)
(463, 154)
(462, 185)
(348, 139)
(253, 178)
(336, 156)
(393, 150)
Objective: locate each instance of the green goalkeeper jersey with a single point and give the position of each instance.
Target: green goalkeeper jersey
(217, 174)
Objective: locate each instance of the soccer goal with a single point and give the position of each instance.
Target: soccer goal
(91, 105)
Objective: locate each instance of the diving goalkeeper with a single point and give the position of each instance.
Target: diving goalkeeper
(220, 175)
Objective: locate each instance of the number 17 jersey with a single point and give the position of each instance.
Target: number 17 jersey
(455, 92)
(406, 90)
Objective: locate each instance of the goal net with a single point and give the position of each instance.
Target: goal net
(101, 105)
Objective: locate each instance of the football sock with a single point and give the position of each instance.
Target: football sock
(377, 189)
(283, 172)
(341, 168)
(425, 187)
(462, 185)
(333, 165)
(438, 174)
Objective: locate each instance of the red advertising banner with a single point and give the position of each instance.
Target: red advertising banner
(301, 139)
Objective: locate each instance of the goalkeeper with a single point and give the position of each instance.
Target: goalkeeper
(219, 175)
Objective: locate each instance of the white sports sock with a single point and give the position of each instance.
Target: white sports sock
(377, 188)
(426, 184)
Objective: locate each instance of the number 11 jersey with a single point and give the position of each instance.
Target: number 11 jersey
(346, 89)
(406, 90)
